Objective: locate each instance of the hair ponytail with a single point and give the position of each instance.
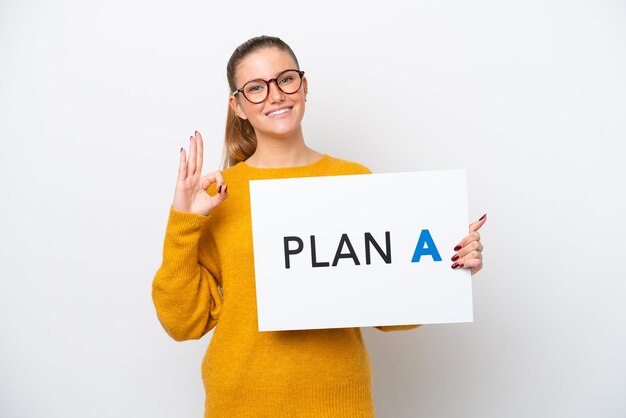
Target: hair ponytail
(240, 138)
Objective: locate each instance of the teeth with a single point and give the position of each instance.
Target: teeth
(278, 112)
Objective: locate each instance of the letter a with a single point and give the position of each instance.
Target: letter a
(425, 246)
(350, 254)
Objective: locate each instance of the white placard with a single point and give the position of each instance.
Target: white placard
(358, 264)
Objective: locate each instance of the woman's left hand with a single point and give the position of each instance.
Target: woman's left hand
(469, 250)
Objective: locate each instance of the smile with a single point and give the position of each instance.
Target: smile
(279, 112)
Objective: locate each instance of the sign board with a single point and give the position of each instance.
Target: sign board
(360, 250)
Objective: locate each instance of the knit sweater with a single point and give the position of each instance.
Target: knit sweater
(206, 280)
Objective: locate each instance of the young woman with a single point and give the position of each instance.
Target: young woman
(207, 277)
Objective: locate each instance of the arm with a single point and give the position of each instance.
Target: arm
(184, 292)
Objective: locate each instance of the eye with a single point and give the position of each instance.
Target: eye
(255, 88)
(286, 79)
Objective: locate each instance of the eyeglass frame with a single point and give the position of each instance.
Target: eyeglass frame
(267, 83)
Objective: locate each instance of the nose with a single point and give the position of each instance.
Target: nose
(275, 94)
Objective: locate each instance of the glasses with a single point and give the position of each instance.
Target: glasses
(256, 91)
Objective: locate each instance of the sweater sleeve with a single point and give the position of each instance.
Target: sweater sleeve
(184, 292)
(388, 328)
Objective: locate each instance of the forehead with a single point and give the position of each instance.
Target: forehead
(265, 63)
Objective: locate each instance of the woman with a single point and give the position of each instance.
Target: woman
(207, 276)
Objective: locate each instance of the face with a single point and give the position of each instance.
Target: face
(280, 114)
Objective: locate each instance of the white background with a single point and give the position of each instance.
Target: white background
(96, 98)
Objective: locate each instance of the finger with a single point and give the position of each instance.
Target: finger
(473, 236)
(215, 177)
(472, 255)
(476, 225)
(219, 178)
(191, 164)
(206, 181)
(182, 166)
(472, 246)
(467, 260)
(199, 156)
(473, 263)
(219, 197)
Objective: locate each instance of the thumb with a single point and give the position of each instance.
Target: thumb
(476, 225)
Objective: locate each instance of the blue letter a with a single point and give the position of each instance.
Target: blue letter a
(425, 246)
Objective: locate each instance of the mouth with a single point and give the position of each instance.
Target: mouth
(279, 112)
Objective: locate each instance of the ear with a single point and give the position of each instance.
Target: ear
(234, 104)
(305, 86)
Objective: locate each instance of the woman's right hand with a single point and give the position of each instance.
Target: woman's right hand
(191, 195)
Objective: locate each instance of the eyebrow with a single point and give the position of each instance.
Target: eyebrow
(259, 78)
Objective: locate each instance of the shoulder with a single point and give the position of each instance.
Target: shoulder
(232, 169)
(233, 173)
(340, 166)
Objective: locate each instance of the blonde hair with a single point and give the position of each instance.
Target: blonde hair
(240, 138)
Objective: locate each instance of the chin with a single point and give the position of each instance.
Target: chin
(280, 133)
(282, 130)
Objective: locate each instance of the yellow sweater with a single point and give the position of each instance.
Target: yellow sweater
(206, 280)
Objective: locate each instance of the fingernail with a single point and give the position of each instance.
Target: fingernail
(181, 149)
(455, 257)
(482, 217)
(455, 265)
(190, 138)
(457, 248)
(196, 132)
(461, 265)
(225, 187)
(219, 188)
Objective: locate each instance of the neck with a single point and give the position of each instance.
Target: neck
(282, 152)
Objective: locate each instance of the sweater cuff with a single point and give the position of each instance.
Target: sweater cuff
(185, 221)
(387, 328)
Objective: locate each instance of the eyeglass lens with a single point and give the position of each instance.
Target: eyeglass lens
(288, 82)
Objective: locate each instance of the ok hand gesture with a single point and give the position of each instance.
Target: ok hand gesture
(191, 194)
